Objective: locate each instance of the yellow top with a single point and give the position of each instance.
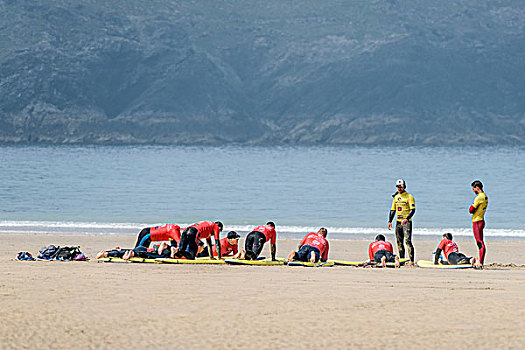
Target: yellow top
(480, 205)
(403, 203)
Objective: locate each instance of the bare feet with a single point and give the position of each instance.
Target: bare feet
(473, 262)
(102, 254)
(128, 255)
(383, 261)
(243, 254)
(397, 264)
(312, 257)
(173, 252)
(290, 256)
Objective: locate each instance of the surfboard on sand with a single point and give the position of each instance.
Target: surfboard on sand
(202, 261)
(132, 260)
(328, 263)
(263, 262)
(427, 264)
(361, 263)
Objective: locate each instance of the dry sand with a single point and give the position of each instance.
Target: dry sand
(90, 305)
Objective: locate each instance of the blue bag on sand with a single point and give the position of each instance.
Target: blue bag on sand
(25, 256)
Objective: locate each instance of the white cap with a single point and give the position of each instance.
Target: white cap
(401, 182)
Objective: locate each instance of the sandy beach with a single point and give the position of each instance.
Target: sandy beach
(91, 305)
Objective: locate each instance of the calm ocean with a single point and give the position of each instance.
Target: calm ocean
(120, 189)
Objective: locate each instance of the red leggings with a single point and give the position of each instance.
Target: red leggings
(478, 227)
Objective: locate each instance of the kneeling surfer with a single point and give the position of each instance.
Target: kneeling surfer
(255, 241)
(192, 235)
(166, 232)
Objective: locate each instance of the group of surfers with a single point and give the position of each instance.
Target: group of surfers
(187, 243)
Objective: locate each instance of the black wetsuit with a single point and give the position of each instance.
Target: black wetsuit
(384, 253)
(254, 244)
(188, 246)
(304, 253)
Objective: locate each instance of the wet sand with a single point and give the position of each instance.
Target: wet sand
(91, 305)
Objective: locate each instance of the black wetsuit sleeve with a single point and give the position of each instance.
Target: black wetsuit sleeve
(412, 212)
(436, 257)
(391, 216)
(274, 249)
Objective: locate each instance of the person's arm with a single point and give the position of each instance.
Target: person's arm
(370, 255)
(218, 247)
(274, 244)
(409, 216)
(436, 257)
(325, 253)
(210, 248)
(473, 207)
(216, 233)
(390, 218)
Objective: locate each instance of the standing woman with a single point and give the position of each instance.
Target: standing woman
(477, 209)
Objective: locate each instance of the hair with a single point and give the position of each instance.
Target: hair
(219, 224)
(323, 231)
(448, 236)
(232, 235)
(477, 184)
(270, 223)
(380, 238)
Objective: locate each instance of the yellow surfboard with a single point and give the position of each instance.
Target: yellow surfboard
(427, 264)
(263, 262)
(202, 261)
(359, 263)
(132, 260)
(328, 263)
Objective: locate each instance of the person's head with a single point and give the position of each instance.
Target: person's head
(219, 224)
(380, 238)
(448, 236)
(270, 223)
(477, 186)
(323, 231)
(401, 185)
(233, 237)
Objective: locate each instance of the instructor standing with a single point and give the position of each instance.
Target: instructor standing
(404, 206)
(477, 209)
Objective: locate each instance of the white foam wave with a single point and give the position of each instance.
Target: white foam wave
(113, 228)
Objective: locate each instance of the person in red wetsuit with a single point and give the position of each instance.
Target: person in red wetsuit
(229, 246)
(255, 241)
(166, 232)
(451, 251)
(313, 247)
(382, 252)
(192, 235)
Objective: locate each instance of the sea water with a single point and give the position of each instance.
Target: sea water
(121, 189)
